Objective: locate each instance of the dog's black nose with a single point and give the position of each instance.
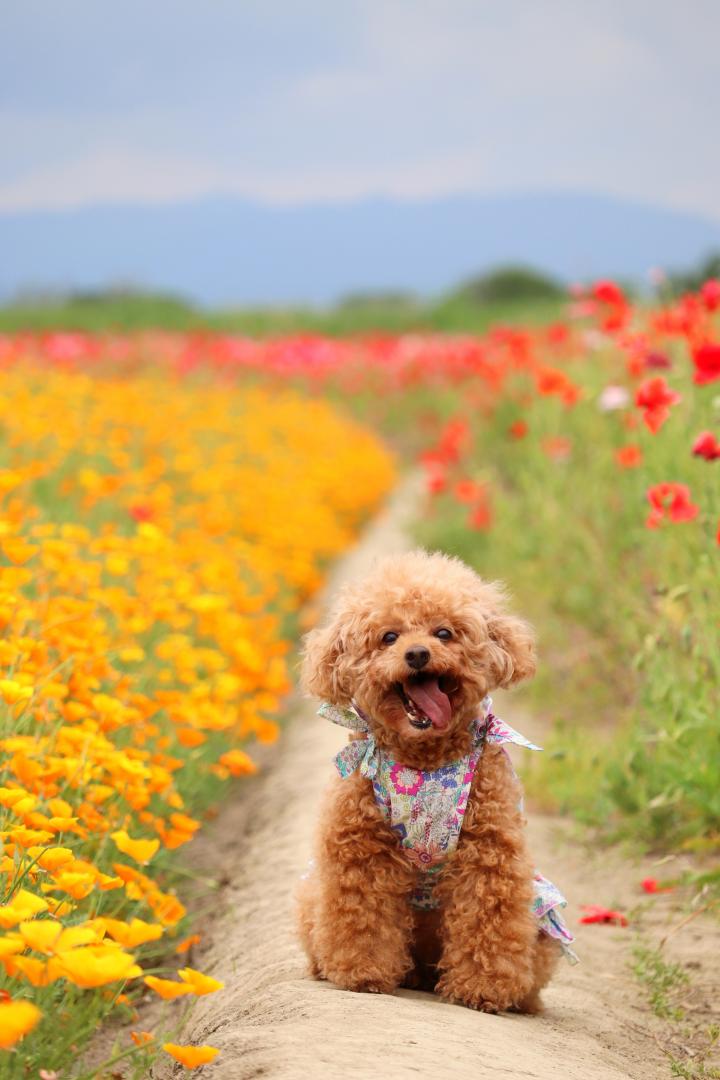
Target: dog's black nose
(417, 657)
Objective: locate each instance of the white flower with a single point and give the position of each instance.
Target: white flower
(613, 397)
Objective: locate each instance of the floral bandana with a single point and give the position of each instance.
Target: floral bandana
(426, 807)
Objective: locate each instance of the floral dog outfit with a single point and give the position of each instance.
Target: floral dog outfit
(426, 807)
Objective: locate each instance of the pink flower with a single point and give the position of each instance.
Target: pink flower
(613, 397)
(405, 780)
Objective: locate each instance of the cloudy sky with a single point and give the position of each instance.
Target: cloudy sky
(303, 100)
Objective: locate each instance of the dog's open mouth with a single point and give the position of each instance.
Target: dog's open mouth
(426, 700)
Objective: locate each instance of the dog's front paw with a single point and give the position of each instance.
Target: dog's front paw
(490, 1007)
(480, 998)
(359, 982)
(363, 986)
(478, 1004)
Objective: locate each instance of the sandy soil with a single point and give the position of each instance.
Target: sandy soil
(273, 1021)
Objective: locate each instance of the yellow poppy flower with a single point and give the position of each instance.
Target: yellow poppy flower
(200, 984)
(17, 1018)
(141, 851)
(94, 965)
(132, 934)
(167, 988)
(191, 1056)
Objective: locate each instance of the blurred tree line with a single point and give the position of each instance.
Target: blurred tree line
(508, 294)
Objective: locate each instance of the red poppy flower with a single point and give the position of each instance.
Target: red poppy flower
(706, 446)
(552, 381)
(481, 516)
(652, 885)
(466, 491)
(142, 512)
(710, 294)
(436, 482)
(670, 501)
(598, 914)
(614, 304)
(518, 429)
(706, 359)
(655, 397)
(607, 292)
(629, 457)
(657, 360)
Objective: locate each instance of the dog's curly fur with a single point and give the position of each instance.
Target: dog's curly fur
(481, 947)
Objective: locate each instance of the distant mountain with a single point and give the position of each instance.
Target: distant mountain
(230, 251)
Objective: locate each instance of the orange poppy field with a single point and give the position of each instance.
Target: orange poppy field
(171, 503)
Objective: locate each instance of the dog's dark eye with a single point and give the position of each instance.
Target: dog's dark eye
(389, 638)
(443, 633)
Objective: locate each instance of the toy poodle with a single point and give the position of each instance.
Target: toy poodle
(421, 876)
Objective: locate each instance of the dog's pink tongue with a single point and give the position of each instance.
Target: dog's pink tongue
(430, 698)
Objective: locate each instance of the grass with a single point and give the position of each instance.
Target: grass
(689, 1044)
(664, 983)
(139, 312)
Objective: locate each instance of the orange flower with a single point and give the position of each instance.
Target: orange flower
(13, 692)
(94, 965)
(35, 971)
(167, 989)
(199, 983)
(23, 905)
(141, 851)
(552, 381)
(17, 1018)
(629, 457)
(518, 429)
(238, 763)
(187, 943)
(191, 1056)
(48, 936)
(131, 934)
(466, 491)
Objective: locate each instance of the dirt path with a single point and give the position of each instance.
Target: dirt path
(271, 1020)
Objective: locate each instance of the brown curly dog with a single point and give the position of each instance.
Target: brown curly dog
(414, 649)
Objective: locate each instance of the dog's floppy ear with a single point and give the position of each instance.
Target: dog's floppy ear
(322, 665)
(513, 648)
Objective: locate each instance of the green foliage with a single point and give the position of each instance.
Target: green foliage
(694, 278)
(662, 982)
(687, 1042)
(359, 313)
(101, 310)
(514, 284)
